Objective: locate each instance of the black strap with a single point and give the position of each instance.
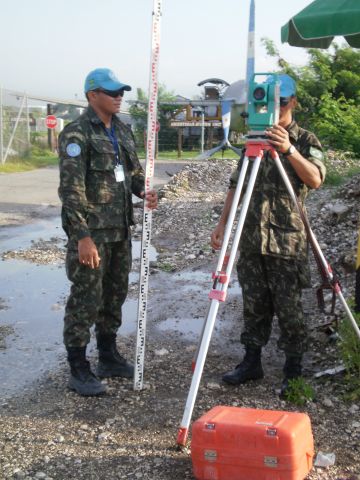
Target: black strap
(327, 284)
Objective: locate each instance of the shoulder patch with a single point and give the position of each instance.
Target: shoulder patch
(73, 150)
(73, 134)
(316, 153)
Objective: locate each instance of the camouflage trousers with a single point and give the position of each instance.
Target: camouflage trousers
(272, 285)
(96, 295)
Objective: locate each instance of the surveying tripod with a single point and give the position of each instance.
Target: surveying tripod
(255, 148)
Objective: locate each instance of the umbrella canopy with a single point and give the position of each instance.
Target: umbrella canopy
(321, 21)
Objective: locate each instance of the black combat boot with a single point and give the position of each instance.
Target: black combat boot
(111, 363)
(292, 369)
(249, 369)
(82, 380)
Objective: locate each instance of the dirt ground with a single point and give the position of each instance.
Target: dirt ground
(49, 432)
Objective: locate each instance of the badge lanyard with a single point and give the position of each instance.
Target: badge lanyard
(118, 169)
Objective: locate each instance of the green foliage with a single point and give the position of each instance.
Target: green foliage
(328, 93)
(350, 354)
(39, 140)
(270, 47)
(166, 267)
(338, 123)
(167, 135)
(299, 392)
(36, 158)
(334, 179)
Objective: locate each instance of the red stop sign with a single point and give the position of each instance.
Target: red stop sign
(51, 121)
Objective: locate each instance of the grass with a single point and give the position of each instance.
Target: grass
(334, 178)
(299, 392)
(43, 158)
(38, 159)
(166, 267)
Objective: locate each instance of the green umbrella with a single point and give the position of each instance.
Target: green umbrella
(321, 21)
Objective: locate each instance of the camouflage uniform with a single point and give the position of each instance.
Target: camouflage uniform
(273, 264)
(95, 205)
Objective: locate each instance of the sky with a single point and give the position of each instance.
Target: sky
(47, 48)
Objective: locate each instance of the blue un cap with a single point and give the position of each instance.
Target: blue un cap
(287, 84)
(105, 79)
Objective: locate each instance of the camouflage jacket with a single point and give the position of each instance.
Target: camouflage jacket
(93, 203)
(273, 225)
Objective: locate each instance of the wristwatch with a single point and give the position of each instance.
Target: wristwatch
(289, 151)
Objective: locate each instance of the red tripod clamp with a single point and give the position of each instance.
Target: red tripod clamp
(256, 147)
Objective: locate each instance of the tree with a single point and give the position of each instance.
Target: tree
(338, 123)
(328, 92)
(167, 135)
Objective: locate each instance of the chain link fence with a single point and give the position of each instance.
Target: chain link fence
(23, 124)
(15, 125)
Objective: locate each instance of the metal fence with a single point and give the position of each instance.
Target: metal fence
(15, 125)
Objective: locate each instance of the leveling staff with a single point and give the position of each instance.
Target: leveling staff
(273, 265)
(99, 172)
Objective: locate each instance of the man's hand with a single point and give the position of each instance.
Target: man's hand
(279, 138)
(217, 237)
(88, 254)
(151, 199)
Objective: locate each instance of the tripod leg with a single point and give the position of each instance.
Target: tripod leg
(314, 241)
(232, 213)
(227, 234)
(217, 296)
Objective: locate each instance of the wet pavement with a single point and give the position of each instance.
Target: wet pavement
(33, 296)
(32, 307)
(180, 309)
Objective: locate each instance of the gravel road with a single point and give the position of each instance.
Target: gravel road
(50, 433)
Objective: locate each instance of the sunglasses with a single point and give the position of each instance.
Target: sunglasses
(284, 101)
(111, 93)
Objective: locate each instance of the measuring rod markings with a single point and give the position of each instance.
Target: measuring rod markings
(147, 218)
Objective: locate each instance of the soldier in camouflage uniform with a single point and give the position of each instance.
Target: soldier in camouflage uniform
(273, 266)
(99, 172)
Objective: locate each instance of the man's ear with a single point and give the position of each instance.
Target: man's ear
(91, 95)
(294, 102)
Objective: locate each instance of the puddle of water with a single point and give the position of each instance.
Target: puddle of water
(34, 296)
(136, 247)
(191, 289)
(191, 327)
(16, 238)
(30, 293)
(195, 276)
(35, 300)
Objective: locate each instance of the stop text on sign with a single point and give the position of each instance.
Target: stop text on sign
(51, 121)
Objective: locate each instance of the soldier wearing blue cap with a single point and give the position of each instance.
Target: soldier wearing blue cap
(273, 264)
(99, 172)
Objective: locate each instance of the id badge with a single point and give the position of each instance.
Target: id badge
(119, 173)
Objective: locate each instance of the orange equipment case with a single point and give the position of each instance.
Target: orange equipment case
(231, 443)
